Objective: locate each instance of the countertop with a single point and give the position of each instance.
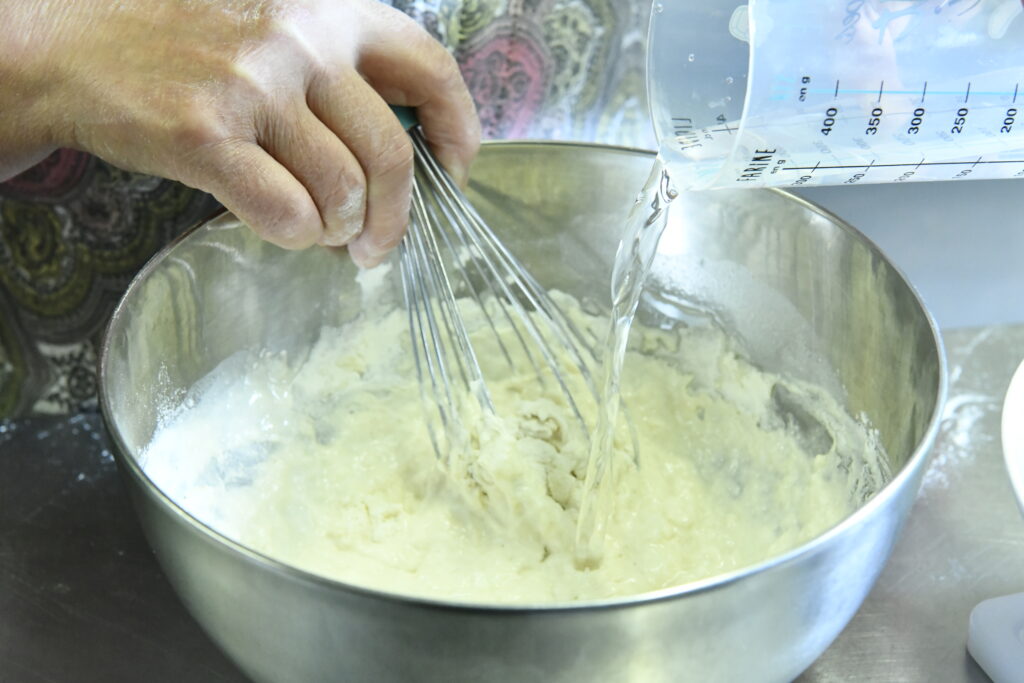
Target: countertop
(82, 598)
(963, 542)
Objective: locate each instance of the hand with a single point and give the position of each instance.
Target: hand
(276, 107)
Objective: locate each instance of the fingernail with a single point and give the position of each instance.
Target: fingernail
(341, 235)
(347, 222)
(365, 254)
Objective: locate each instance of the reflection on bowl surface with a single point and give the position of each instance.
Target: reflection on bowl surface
(804, 298)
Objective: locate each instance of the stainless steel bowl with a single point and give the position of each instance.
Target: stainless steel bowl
(806, 294)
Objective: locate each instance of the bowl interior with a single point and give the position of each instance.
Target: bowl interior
(805, 295)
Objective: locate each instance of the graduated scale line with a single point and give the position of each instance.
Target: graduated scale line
(860, 91)
(836, 91)
(915, 164)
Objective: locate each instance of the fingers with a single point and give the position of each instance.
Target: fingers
(408, 67)
(313, 154)
(259, 190)
(321, 162)
(357, 115)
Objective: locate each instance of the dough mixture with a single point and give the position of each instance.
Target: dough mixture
(326, 464)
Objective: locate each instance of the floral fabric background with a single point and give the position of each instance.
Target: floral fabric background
(558, 69)
(74, 230)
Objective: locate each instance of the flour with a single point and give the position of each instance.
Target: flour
(326, 465)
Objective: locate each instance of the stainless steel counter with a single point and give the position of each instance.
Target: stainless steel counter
(82, 599)
(963, 543)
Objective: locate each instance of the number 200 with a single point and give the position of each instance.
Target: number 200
(1011, 116)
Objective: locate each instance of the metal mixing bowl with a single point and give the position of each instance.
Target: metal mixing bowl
(806, 294)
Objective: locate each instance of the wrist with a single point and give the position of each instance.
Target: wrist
(28, 83)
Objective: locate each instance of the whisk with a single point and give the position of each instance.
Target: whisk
(450, 250)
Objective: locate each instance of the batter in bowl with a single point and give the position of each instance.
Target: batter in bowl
(326, 465)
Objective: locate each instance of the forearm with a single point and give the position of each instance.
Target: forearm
(29, 126)
(273, 106)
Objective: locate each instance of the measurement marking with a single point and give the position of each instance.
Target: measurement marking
(919, 164)
(976, 162)
(819, 167)
(726, 128)
(868, 167)
(924, 91)
(836, 93)
(881, 89)
(855, 91)
(968, 95)
(1015, 87)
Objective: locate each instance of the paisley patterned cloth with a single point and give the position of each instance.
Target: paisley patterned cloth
(74, 230)
(554, 69)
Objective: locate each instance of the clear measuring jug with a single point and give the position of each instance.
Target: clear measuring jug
(832, 92)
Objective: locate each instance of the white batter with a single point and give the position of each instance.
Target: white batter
(328, 466)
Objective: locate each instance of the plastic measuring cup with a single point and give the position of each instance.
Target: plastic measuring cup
(832, 92)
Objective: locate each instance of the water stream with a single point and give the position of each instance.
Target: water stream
(639, 244)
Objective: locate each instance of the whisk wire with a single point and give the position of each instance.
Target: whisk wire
(472, 230)
(473, 292)
(483, 236)
(471, 251)
(423, 359)
(441, 297)
(442, 215)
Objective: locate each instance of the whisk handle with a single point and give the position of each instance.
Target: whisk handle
(406, 116)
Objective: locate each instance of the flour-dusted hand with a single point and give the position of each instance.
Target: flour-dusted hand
(279, 108)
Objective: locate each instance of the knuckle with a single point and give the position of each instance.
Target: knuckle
(446, 72)
(340, 195)
(196, 127)
(290, 235)
(289, 214)
(291, 223)
(390, 240)
(286, 220)
(393, 157)
(343, 185)
(271, 22)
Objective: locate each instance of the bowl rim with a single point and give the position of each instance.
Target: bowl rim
(1012, 433)
(914, 463)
